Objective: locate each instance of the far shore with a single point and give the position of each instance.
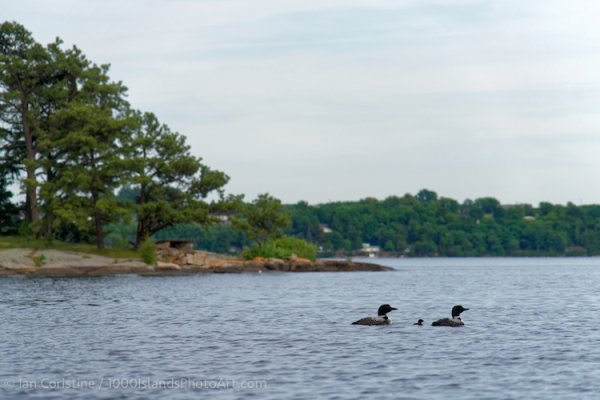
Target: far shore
(60, 263)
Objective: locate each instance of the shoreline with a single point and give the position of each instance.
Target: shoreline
(72, 264)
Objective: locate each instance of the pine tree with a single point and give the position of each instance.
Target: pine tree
(173, 185)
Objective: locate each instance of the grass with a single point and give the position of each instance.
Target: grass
(13, 242)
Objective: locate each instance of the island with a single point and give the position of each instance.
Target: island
(174, 261)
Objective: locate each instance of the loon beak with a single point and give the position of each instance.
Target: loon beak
(465, 309)
(393, 308)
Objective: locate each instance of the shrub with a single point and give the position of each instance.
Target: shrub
(39, 261)
(148, 252)
(282, 248)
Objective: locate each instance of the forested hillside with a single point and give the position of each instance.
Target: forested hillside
(426, 225)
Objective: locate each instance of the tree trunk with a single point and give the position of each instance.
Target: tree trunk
(95, 197)
(99, 230)
(140, 234)
(98, 221)
(47, 211)
(31, 211)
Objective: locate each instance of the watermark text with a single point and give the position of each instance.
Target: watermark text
(135, 383)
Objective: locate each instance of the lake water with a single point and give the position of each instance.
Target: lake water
(532, 332)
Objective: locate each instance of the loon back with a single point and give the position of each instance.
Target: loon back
(453, 322)
(381, 320)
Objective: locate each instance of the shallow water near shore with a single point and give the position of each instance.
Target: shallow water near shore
(532, 331)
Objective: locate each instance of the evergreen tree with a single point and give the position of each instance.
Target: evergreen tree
(173, 185)
(24, 72)
(91, 132)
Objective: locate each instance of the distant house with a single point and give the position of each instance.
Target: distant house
(223, 219)
(575, 250)
(325, 228)
(369, 251)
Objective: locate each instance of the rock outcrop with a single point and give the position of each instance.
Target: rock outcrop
(172, 262)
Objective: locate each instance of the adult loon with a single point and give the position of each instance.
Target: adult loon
(381, 319)
(454, 321)
(419, 322)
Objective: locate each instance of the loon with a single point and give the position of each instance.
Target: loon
(455, 321)
(419, 322)
(381, 319)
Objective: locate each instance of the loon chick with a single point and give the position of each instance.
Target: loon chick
(454, 321)
(419, 322)
(381, 319)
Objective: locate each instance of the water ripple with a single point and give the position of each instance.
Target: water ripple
(531, 332)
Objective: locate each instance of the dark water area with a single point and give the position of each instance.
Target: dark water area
(532, 332)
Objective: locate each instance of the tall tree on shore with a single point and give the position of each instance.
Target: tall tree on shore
(65, 92)
(174, 186)
(90, 132)
(24, 71)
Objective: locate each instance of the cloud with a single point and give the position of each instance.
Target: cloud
(343, 99)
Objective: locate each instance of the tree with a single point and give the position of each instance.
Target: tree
(69, 89)
(24, 71)
(426, 196)
(67, 129)
(91, 130)
(36, 84)
(263, 219)
(174, 186)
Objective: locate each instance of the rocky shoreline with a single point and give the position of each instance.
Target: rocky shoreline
(32, 262)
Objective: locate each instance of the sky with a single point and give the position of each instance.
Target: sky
(335, 100)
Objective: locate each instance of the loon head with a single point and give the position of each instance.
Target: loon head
(456, 310)
(419, 322)
(384, 309)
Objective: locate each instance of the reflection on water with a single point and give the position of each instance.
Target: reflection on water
(531, 332)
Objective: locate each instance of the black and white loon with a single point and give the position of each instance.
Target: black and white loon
(381, 319)
(454, 321)
(419, 322)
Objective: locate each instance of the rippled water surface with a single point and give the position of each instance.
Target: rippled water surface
(532, 331)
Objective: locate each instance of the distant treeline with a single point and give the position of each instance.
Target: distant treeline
(427, 225)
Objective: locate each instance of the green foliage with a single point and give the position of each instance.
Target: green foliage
(26, 75)
(263, 219)
(120, 235)
(172, 185)
(409, 227)
(282, 247)
(219, 238)
(70, 136)
(39, 260)
(9, 212)
(148, 252)
(428, 225)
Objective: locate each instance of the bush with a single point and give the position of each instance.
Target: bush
(39, 261)
(282, 248)
(148, 252)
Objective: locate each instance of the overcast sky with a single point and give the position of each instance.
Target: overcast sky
(326, 100)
